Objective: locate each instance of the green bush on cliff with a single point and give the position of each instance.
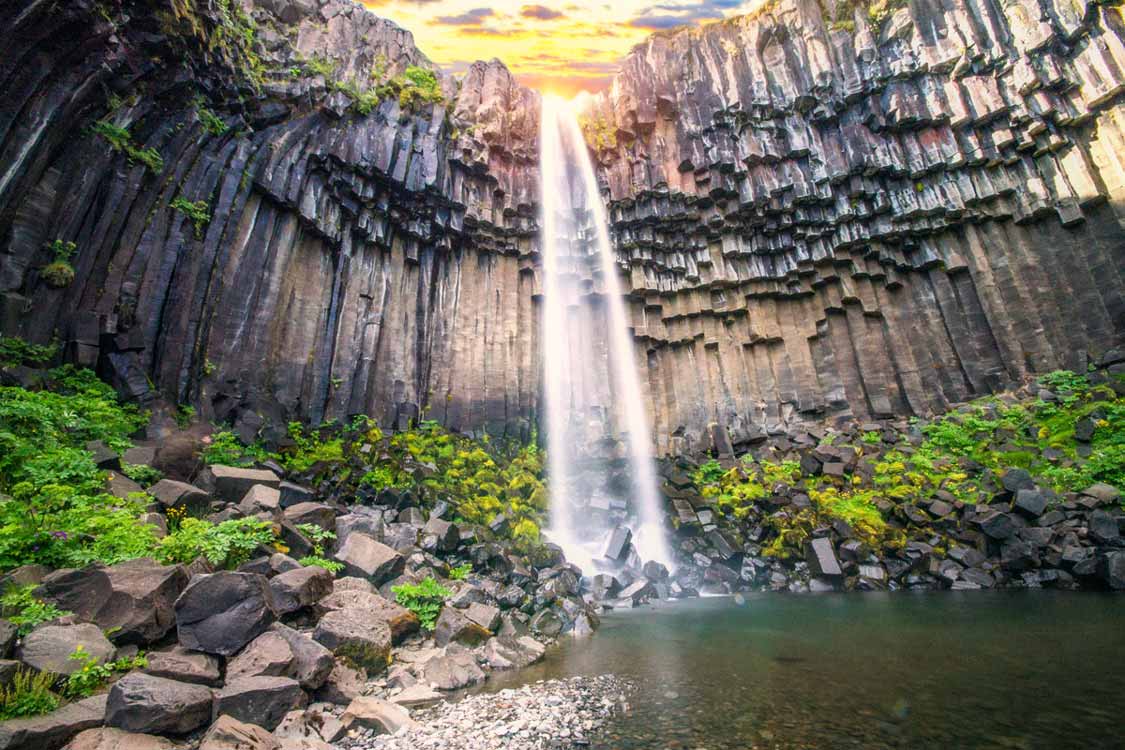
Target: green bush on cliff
(15, 352)
(198, 212)
(121, 140)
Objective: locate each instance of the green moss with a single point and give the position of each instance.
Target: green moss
(599, 131)
(199, 212)
(121, 140)
(211, 122)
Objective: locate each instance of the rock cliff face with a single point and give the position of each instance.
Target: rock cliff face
(352, 262)
(822, 220)
(814, 223)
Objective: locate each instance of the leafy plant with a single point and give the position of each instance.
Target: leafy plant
(144, 475)
(121, 140)
(424, 599)
(460, 572)
(94, 674)
(225, 545)
(414, 87)
(309, 448)
(211, 122)
(59, 273)
(29, 694)
(23, 610)
(199, 212)
(15, 352)
(227, 450)
(872, 438)
(318, 537)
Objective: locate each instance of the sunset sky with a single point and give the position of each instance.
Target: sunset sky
(563, 46)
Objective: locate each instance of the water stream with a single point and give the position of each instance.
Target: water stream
(599, 440)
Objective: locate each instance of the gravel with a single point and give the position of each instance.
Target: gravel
(545, 715)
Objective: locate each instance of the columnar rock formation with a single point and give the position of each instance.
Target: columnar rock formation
(815, 223)
(866, 218)
(373, 263)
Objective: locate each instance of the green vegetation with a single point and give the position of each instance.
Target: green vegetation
(960, 454)
(94, 674)
(28, 695)
(226, 449)
(15, 352)
(22, 609)
(424, 599)
(59, 273)
(211, 122)
(318, 537)
(199, 212)
(121, 141)
(599, 131)
(840, 14)
(145, 476)
(225, 545)
(413, 88)
(311, 447)
(53, 510)
(228, 35)
(461, 572)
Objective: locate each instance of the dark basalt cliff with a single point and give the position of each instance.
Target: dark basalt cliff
(814, 223)
(353, 263)
(819, 222)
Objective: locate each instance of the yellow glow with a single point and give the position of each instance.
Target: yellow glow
(560, 47)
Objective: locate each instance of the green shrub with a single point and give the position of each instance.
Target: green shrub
(15, 352)
(198, 212)
(121, 140)
(226, 449)
(225, 545)
(28, 695)
(309, 448)
(414, 87)
(23, 610)
(318, 537)
(211, 122)
(94, 674)
(460, 572)
(146, 476)
(424, 599)
(59, 273)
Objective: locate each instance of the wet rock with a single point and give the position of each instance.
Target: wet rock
(351, 634)
(48, 648)
(222, 612)
(822, 558)
(148, 704)
(364, 557)
(1103, 527)
(260, 700)
(1111, 569)
(183, 665)
(133, 599)
(617, 543)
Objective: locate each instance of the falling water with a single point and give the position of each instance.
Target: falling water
(593, 392)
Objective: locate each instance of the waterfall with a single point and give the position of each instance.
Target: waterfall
(599, 441)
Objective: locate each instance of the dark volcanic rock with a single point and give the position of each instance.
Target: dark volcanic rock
(154, 705)
(263, 701)
(822, 558)
(222, 612)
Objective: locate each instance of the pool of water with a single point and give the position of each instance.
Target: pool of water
(1019, 670)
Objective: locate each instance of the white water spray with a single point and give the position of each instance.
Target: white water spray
(592, 385)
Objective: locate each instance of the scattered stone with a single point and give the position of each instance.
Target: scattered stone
(454, 626)
(231, 483)
(376, 714)
(48, 648)
(364, 557)
(178, 663)
(351, 634)
(300, 588)
(228, 733)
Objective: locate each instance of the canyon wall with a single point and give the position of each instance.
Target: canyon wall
(826, 214)
(817, 217)
(376, 262)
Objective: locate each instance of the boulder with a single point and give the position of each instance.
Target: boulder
(108, 738)
(317, 514)
(1103, 527)
(1111, 569)
(486, 616)
(261, 700)
(148, 704)
(222, 612)
(453, 626)
(446, 535)
(312, 662)
(453, 669)
(313, 723)
(1030, 502)
(183, 665)
(399, 619)
(344, 684)
(134, 599)
(8, 635)
(1103, 493)
(54, 730)
(548, 623)
(293, 494)
(48, 648)
(364, 557)
(300, 588)
(513, 652)
(417, 695)
(353, 635)
(617, 543)
(379, 715)
(997, 525)
(821, 558)
(260, 498)
(283, 652)
(231, 483)
(228, 733)
(182, 496)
